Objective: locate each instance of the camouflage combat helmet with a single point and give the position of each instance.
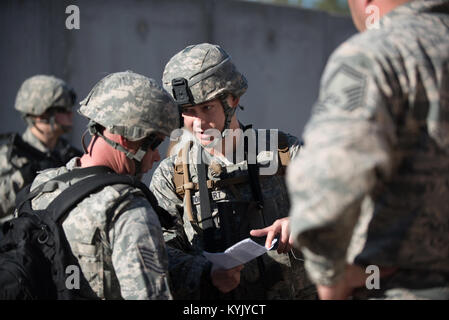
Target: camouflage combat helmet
(130, 105)
(42, 92)
(201, 73)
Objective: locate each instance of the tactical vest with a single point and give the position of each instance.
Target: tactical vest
(243, 222)
(241, 201)
(38, 160)
(23, 161)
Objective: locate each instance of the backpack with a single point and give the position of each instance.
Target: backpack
(35, 254)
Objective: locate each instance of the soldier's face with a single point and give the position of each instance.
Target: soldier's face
(64, 118)
(63, 123)
(150, 158)
(199, 118)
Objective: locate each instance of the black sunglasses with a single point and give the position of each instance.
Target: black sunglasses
(153, 141)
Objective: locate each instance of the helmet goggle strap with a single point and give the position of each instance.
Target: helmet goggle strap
(152, 141)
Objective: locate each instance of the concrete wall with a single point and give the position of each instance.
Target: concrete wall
(281, 50)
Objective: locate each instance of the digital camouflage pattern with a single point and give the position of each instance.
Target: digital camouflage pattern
(280, 277)
(18, 168)
(208, 70)
(116, 236)
(41, 92)
(372, 182)
(114, 233)
(131, 105)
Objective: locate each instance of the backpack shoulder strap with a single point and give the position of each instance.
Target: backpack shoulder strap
(71, 196)
(25, 195)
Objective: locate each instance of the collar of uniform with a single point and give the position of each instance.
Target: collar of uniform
(31, 139)
(414, 7)
(218, 158)
(74, 163)
(226, 161)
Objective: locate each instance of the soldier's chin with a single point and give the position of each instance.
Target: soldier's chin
(204, 140)
(211, 143)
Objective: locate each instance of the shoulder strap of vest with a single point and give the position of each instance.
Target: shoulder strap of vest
(254, 178)
(74, 194)
(25, 196)
(178, 177)
(101, 177)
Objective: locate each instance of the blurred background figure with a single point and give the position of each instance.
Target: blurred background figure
(45, 103)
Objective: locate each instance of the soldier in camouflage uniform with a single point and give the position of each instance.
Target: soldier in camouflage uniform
(371, 185)
(115, 233)
(45, 102)
(206, 84)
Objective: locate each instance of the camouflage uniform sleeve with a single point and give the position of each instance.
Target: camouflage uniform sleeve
(163, 188)
(189, 269)
(11, 182)
(348, 145)
(138, 253)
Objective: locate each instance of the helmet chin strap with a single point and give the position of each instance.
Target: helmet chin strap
(229, 113)
(136, 157)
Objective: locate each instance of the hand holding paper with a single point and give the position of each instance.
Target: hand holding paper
(280, 228)
(240, 253)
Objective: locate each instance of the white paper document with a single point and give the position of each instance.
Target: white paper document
(240, 253)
